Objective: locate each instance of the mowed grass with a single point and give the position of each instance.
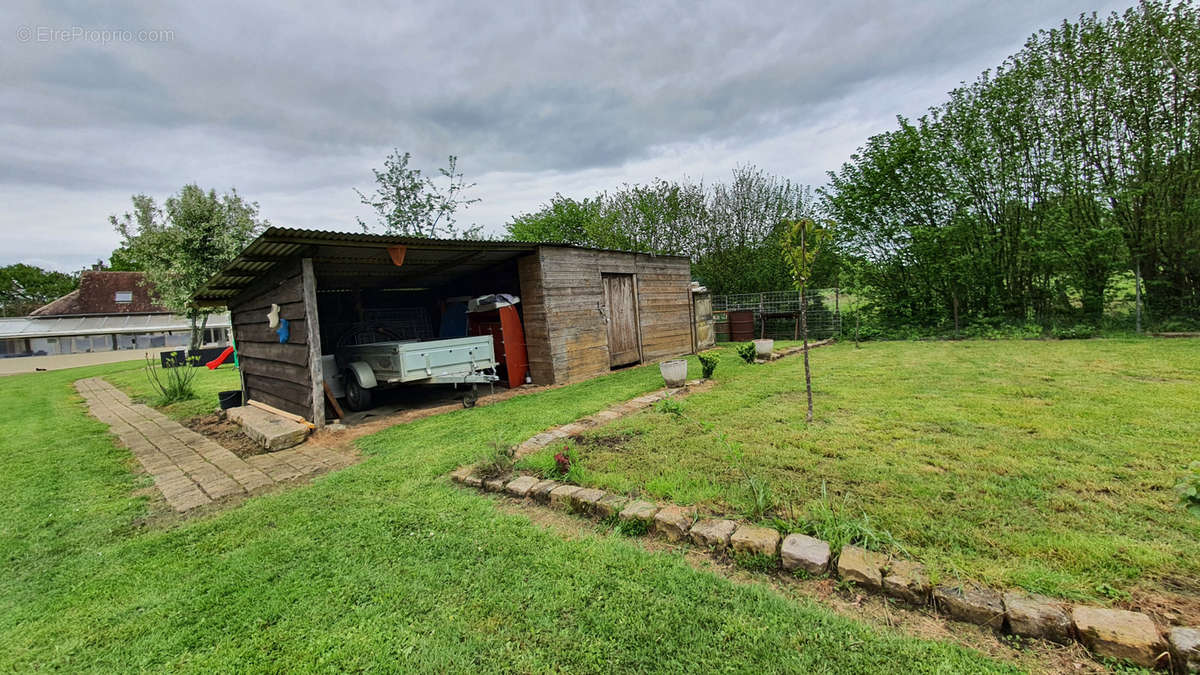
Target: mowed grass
(207, 383)
(382, 566)
(1044, 465)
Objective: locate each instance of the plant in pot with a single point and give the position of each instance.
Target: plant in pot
(674, 372)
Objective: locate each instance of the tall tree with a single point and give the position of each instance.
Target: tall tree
(409, 203)
(183, 244)
(24, 288)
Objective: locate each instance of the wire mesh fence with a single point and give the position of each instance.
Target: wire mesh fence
(776, 314)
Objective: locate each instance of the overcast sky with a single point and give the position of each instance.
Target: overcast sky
(294, 107)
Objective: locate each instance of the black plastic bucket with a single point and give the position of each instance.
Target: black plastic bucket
(230, 399)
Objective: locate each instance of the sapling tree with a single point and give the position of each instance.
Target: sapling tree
(802, 241)
(412, 204)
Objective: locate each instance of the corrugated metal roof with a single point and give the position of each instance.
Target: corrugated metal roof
(22, 327)
(278, 244)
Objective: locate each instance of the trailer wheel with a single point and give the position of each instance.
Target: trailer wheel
(471, 397)
(357, 398)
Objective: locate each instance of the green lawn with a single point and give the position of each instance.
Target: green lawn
(383, 566)
(1045, 465)
(206, 384)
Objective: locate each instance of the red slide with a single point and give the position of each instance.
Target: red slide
(212, 365)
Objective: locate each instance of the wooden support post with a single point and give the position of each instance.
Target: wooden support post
(312, 325)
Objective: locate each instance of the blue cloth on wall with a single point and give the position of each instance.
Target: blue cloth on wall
(454, 320)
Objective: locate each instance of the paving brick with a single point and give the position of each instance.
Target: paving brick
(520, 486)
(639, 510)
(584, 500)
(560, 497)
(541, 491)
(610, 505)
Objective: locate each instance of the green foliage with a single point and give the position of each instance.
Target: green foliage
(496, 461)
(24, 288)
(1189, 489)
(708, 363)
(633, 527)
(1080, 331)
(759, 498)
(755, 562)
(183, 244)
(172, 384)
(670, 406)
(839, 524)
(410, 204)
(1029, 190)
(1112, 593)
(731, 230)
(747, 351)
(802, 243)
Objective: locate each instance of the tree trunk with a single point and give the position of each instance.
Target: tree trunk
(804, 331)
(198, 324)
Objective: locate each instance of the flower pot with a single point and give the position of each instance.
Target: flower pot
(674, 372)
(764, 348)
(229, 399)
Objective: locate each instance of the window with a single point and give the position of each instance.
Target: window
(124, 296)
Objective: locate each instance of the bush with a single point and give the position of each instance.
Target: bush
(498, 461)
(1080, 331)
(708, 363)
(748, 352)
(1189, 489)
(670, 406)
(173, 383)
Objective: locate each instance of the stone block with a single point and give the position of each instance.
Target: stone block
(541, 491)
(460, 474)
(520, 487)
(750, 539)
(1037, 616)
(560, 497)
(804, 553)
(1185, 649)
(972, 604)
(907, 581)
(639, 510)
(861, 566)
(495, 484)
(610, 505)
(713, 534)
(584, 500)
(473, 480)
(673, 522)
(1119, 634)
(268, 429)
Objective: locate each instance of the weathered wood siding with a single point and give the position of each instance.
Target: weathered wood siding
(274, 373)
(564, 315)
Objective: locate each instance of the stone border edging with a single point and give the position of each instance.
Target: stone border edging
(1112, 633)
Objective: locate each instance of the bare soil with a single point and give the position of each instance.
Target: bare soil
(229, 434)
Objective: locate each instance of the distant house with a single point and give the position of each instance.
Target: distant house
(109, 311)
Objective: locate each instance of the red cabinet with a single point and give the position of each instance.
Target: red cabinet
(508, 337)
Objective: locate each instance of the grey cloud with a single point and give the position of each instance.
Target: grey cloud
(283, 100)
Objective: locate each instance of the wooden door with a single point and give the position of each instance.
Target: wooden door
(620, 302)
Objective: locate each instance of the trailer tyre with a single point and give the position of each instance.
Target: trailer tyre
(357, 398)
(471, 397)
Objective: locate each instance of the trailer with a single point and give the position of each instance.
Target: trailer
(380, 365)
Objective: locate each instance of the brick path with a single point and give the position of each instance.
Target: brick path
(189, 468)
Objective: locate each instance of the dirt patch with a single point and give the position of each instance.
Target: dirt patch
(876, 611)
(229, 434)
(1167, 607)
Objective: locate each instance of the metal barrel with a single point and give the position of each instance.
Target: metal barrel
(741, 325)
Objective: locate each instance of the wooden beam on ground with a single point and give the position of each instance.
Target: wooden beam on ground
(333, 400)
(282, 413)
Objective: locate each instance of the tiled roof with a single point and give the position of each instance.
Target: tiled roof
(97, 294)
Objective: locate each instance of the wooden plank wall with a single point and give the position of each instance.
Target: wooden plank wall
(273, 373)
(533, 316)
(572, 296)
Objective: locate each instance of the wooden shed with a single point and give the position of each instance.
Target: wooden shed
(584, 311)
